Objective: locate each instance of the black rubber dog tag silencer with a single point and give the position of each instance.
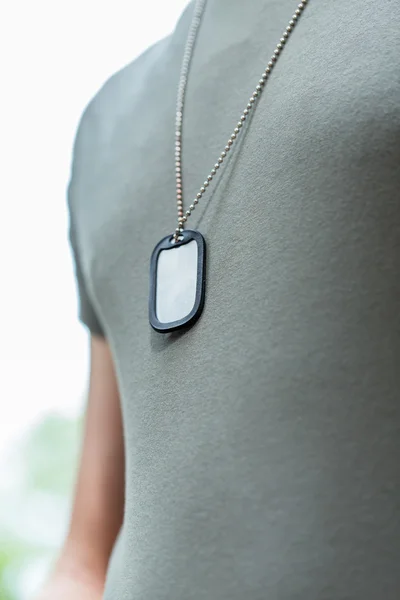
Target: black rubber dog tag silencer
(177, 281)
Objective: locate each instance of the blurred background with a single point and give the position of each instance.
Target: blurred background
(53, 57)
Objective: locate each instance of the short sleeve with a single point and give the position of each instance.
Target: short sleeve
(86, 311)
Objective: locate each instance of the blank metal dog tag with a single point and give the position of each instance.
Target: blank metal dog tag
(177, 281)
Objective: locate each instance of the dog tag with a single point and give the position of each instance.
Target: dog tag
(177, 281)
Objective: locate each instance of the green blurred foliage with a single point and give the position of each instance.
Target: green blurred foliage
(12, 555)
(47, 459)
(50, 455)
(6, 557)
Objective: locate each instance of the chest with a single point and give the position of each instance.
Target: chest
(310, 173)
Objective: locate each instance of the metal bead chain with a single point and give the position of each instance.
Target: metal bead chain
(187, 57)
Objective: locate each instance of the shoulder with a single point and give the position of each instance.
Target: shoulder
(125, 88)
(127, 84)
(129, 88)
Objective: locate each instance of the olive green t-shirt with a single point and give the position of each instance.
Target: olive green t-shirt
(263, 444)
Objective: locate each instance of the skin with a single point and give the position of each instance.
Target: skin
(99, 495)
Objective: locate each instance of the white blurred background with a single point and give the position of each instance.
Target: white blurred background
(54, 56)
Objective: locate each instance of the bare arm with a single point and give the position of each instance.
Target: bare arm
(99, 497)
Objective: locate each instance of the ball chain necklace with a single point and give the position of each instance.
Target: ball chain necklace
(177, 266)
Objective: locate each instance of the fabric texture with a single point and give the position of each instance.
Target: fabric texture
(263, 444)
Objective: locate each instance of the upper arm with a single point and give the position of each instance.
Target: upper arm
(99, 497)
